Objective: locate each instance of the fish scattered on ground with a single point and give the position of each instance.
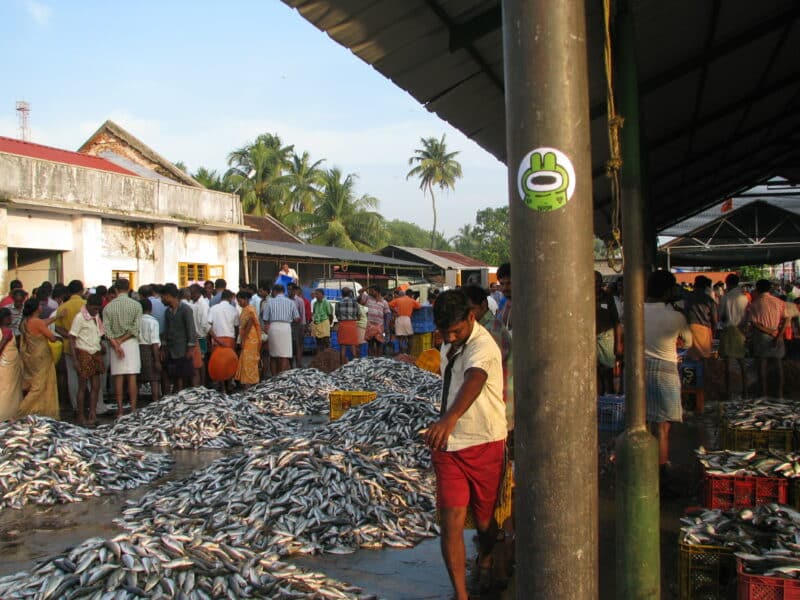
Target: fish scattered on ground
(295, 495)
(764, 463)
(766, 538)
(44, 461)
(293, 393)
(762, 414)
(197, 418)
(169, 566)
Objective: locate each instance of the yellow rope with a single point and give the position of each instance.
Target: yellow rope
(614, 164)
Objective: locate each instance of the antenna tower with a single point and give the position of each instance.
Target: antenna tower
(24, 109)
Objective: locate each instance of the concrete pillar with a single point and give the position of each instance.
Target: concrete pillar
(85, 260)
(228, 249)
(166, 254)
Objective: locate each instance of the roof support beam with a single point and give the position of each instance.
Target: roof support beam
(731, 44)
(466, 33)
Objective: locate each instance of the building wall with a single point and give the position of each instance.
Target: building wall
(100, 222)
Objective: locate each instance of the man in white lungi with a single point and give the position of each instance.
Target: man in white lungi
(278, 314)
(122, 318)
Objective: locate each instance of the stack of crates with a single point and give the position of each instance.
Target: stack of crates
(692, 384)
(706, 572)
(422, 320)
(421, 342)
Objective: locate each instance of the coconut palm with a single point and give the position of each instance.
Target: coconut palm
(435, 167)
(211, 179)
(305, 182)
(258, 170)
(468, 241)
(340, 218)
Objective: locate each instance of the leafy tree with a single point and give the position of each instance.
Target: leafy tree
(435, 167)
(403, 233)
(211, 180)
(305, 180)
(181, 165)
(468, 241)
(340, 218)
(268, 190)
(752, 273)
(493, 232)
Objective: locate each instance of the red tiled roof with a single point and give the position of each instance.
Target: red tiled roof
(269, 230)
(459, 258)
(21, 148)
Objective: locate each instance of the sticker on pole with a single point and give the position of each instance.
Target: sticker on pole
(546, 179)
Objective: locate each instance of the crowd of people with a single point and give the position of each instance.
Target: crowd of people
(695, 322)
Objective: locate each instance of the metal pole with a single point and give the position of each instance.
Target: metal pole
(550, 196)
(244, 259)
(637, 501)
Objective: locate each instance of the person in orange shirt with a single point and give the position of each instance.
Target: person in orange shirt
(403, 306)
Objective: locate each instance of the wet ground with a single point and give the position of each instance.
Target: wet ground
(33, 533)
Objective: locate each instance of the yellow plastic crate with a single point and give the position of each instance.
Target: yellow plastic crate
(341, 400)
(421, 342)
(733, 438)
(706, 572)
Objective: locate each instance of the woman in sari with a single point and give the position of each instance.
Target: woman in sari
(247, 372)
(39, 373)
(10, 369)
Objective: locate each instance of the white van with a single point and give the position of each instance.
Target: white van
(336, 284)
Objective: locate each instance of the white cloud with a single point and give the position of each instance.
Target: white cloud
(40, 12)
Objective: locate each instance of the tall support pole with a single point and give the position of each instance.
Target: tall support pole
(550, 195)
(638, 573)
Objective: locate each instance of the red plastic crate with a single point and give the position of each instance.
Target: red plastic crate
(733, 491)
(758, 587)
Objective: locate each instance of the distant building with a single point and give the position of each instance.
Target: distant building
(448, 268)
(114, 209)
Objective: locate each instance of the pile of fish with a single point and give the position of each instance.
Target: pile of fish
(386, 428)
(196, 418)
(168, 566)
(762, 414)
(294, 495)
(386, 375)
(293, 393)
(44, 461)
(765, 463)
(765, 538)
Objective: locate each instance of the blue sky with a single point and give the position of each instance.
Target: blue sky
(196, 79)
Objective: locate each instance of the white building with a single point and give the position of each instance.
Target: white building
(114, 209)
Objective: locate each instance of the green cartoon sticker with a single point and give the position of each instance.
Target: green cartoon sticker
(546, 179)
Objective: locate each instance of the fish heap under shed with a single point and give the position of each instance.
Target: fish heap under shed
(44, 461)
(197, 418)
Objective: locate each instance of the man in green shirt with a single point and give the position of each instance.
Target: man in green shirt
(122, 319)
(322, 317)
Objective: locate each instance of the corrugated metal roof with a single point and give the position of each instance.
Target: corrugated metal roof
(719, 85)
(323, 253)
(22, 148)
(440, 259)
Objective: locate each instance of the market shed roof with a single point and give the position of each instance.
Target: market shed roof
(314, 253)
(756, 233)
(719, 85)
(438, 258)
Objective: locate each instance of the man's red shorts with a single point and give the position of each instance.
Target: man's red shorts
(470, 477)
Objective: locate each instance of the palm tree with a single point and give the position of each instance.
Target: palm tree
(305, 182)
(267, 191)
(340, 218)
(211, 180)
(435, 167)
(468, 241)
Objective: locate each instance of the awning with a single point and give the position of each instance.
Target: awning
(326, 254)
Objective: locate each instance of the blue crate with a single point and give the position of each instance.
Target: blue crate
(611, 413)
(335, 340)
(423, 327)
(333, 294)
(309, 342)
(692, 373)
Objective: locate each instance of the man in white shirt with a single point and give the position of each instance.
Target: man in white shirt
(663, 324)
(732, 309)
(468, 442)
(223, 319)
